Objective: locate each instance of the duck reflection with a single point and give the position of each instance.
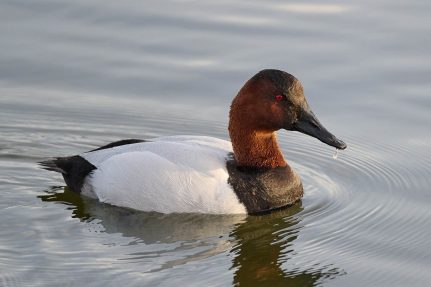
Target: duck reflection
(149, 227)
(264, 244)
(261, 245)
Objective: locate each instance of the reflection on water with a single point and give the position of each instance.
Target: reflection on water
(261, 245)
(150, 227)
(264, 245)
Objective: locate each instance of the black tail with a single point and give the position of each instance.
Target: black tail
(52, 165)
(73, 168)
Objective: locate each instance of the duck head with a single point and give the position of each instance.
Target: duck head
(271, 100)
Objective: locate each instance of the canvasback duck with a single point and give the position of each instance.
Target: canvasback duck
(199, 174)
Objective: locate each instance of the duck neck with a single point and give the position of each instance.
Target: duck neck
(255, 148)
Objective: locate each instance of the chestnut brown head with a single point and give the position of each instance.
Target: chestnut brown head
(273, 100)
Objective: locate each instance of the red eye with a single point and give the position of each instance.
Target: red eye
(278, 98)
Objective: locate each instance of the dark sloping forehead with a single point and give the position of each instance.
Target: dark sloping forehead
(282, 80)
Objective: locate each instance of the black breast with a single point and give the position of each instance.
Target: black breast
(264, 189)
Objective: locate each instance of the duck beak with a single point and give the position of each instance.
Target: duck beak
(308, 124)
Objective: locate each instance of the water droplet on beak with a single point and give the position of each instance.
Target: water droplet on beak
(335, 155)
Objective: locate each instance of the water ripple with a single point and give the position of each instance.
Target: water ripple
(335, 211)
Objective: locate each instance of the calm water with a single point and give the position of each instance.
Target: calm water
(78, 74)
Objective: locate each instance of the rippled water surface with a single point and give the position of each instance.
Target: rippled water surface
(77, 74)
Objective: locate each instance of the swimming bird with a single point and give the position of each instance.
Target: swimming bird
(200, 174)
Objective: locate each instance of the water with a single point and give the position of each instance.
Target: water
(76, 75)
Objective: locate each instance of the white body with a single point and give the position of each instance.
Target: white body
(168, 174)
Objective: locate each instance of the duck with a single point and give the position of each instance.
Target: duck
(202, 174)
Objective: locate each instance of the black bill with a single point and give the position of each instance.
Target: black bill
(308, 124)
